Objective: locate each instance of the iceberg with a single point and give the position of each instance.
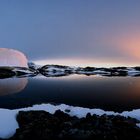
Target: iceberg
(10, 57)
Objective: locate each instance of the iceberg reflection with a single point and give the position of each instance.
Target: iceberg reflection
(12, 85)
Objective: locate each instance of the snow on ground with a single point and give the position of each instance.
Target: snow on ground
(8, 123)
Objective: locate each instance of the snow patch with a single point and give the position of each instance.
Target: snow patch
(8, 123)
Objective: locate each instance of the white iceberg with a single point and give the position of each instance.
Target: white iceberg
(10, 57)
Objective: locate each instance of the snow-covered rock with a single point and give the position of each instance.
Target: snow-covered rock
(58, 70)
(10, 57)
(33, 66)
(55, 70)
(8, 123)
(9, 72)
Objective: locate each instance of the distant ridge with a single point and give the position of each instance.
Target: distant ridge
(60, 70)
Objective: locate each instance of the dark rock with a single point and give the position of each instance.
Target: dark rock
(59, 71)
(89, 69)
(67, 110)
(23, 71)
(120, 68)
(60, 126)
(6, 72)
(32, 66)
(55, 70)
(137, 68)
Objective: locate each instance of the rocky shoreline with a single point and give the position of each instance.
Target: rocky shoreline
(58, 70)
(59, 126)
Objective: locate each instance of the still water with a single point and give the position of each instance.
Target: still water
(108, 93)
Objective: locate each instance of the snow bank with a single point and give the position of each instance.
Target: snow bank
(8, 123)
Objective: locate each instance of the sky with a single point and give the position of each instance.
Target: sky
(73, 32)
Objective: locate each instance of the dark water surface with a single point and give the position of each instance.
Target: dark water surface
(108, 93)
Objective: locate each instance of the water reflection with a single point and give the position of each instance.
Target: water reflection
(108, 93)
(12, 85)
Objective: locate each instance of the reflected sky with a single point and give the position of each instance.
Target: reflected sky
(108, 93)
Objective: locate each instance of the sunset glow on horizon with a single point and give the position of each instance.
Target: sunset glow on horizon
(82, 33)
(127, 46)
(84, 63)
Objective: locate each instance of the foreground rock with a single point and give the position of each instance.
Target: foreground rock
(44, 126)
